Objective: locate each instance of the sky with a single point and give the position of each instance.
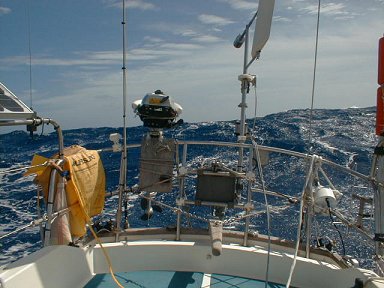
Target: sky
(184, 48)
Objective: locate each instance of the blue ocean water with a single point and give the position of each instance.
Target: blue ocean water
(345, 136)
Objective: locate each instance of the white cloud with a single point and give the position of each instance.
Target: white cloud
(188, 33)
(241, 4)
(160, 51)
(281, 19)
(80, 59)
(198, 37)
(103, 55)
(153, 39)
(190, 61)
(155, 49)
(4, 10)
(140, 4)
(131, 4)
(180, 46)
(330, 9)
(206, 39)
(214, 20)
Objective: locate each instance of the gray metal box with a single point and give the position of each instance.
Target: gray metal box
(215, 186)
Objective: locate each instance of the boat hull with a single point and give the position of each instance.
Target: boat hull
(66, 266)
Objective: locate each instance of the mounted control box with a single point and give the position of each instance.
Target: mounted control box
(215, 185)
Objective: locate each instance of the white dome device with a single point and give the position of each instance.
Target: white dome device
(157, 110)
(325, 198)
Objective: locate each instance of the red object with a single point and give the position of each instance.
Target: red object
(380, 112)
(380, 78)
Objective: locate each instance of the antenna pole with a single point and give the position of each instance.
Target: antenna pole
(123, 166)
(264, 15)
(245, 82)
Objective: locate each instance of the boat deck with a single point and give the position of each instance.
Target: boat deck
(172, 279)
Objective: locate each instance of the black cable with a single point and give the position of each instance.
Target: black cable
(337, 229)
(125, 210)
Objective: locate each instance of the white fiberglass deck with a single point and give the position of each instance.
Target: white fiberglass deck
(171, 279)
(155, 263)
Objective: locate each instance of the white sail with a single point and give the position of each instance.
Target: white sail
(263, 26)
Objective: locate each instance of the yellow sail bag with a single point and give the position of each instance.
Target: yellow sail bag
(85, 188)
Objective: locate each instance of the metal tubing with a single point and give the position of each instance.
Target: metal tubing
(181, 191)
(51, 199)
(367, 178)
(348, 223)
(243, 104)
(298, 234)
(37, 122)
(309, 228)
(276, 194)
(249, 200)
(52, 182)
(215, 143)
(122, 187)
(379, 206)
(123, 166)
(282, 151)
(310, 212)
(244, 92)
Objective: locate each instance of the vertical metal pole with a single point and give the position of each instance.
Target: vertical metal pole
(60, 138)
(181, 192)
(123, 166)
(241, 137)
(50, 202)
(249, 200)
(243, 104)
(309, 225)
(51, 197)
(379, 201)
(244, 90)
(310, 210)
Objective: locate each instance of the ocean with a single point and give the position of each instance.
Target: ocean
(345, 136)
